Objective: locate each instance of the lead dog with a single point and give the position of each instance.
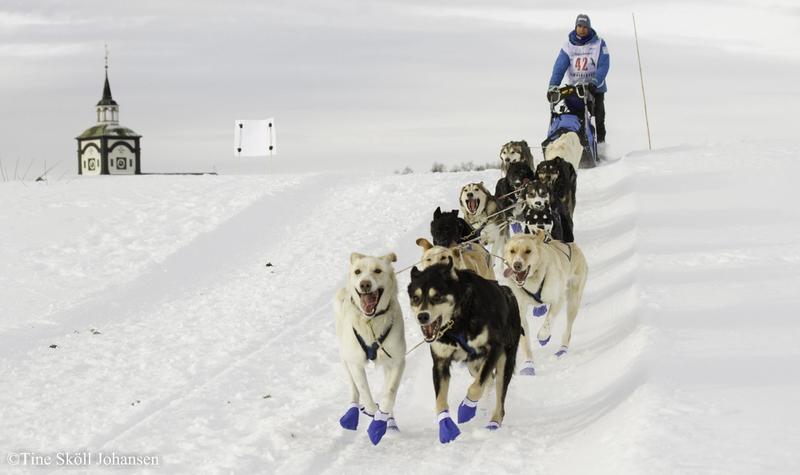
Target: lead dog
(550, 272)
(471, 256)
(466, 318)
(369, 326)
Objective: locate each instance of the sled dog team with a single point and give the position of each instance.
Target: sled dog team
(464, 313)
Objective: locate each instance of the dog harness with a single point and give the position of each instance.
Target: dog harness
(569, 248)
(372, 350)
(548, 240)
(462, 342)
(535, 296)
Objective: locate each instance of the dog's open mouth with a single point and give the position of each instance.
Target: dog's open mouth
(519, 277)
(369, 302)
(431, 330)
(472, 205)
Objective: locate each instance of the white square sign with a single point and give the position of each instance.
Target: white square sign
(254, 138)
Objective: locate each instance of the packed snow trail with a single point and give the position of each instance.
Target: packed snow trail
(229, 365)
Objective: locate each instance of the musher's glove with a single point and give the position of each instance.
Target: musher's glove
(552, 93)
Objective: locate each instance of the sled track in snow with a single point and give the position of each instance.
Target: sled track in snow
(256, 359)
(608, 339)
(290, 351)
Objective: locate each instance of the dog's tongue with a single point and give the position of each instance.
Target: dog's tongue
(369, 302)
(428, 331)
(472, 204)
(507, 272)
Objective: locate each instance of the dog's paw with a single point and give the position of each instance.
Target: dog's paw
(349, 420)
(448, 430)
(539, 311)
(545, 341)
(561, 351)
(377, 428)
(527, 369)
(466, 410)
(492, 425)
(391, 424)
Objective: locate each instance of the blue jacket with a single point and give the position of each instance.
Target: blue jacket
(563, 61)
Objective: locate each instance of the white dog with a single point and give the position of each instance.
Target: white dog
(549, 272)
(369, 326)
(567, 146)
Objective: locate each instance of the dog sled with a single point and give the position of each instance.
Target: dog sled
(571, 113)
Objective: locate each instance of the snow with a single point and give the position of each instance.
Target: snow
(202, 354)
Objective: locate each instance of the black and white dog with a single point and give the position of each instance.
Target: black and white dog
(508, 191)
(560, 177)
(518, 174)
(543, 212)
(466, 318)
(448, 229)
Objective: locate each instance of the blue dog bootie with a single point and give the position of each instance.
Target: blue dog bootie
(377, 428)
(391, 424)
(467, 410)
(539, 310)
(448, 430)
(493, 425)
(527, 369)
(349, 420)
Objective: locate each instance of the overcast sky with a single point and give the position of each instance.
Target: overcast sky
(379, 85)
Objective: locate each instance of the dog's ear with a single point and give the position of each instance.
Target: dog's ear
(391, 257)
(424, 243)
(540, 237)
(438, 212)
(415, 272)
(355, 256)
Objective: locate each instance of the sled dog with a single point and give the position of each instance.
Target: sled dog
(515, 152)
(483, 211)
(466, 318)
(369, 327)
(470, 256)
(541, 209)
(567, 146)
(561, 179)
(448, 229)
(546, 271)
